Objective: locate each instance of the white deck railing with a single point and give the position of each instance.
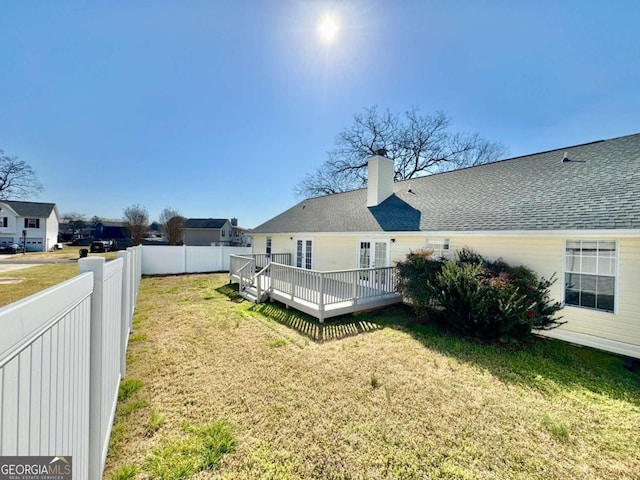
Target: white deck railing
(263, 259)
(319, 292)
(334, 287)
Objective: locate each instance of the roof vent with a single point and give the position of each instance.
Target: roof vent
(566, 158)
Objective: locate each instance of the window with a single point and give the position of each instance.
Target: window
(440, 248)
(4, 221)
(268, 251)
(31, 223)
(223, 233)
(590, 274)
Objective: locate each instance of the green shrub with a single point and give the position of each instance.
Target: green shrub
(418, 274)
(477, 298)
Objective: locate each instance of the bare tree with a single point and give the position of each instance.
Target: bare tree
(17, 179)
(419, 145)
(137, 219)
(171, 223)
(75, 221)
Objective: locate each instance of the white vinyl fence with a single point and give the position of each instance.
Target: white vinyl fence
(170, 259)
(62, 355)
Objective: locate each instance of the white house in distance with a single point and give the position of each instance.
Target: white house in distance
(36, 221)
(573, 212)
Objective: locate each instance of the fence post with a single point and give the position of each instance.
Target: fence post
(126, 309)
(184, 259)
(97, 383)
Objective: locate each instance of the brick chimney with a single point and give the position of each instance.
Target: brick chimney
(380, 184)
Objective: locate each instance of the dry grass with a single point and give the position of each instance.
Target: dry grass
(378, 398)
(34, 280)
(37, 278)
(68, 252)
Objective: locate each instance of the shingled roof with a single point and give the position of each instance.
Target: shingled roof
(205, 222)
(31, 209)
(596, 187)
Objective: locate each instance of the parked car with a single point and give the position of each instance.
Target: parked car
(10, 248)
(100, 246)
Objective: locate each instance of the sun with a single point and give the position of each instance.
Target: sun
(328, 28)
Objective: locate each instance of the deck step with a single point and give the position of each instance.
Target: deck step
(251, 294)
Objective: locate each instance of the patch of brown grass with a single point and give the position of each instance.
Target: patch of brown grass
(304, 408)
(35, 279)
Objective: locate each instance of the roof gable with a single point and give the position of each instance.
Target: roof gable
(598, 188)
(31, 209)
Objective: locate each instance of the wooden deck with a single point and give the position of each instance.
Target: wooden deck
(320, 294)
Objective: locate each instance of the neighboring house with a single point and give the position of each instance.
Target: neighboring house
(573, 212)
(32, 222)
(241, 236)
(207, 231)
(118, 232)
(214, 231)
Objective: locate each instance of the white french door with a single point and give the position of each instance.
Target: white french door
(304, 253)
(373, 253)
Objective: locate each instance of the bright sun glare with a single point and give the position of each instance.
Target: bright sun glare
(328, 28)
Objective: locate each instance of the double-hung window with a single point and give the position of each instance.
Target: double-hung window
(440, 249)
(590, 274)
(268, 249)
(31, 223)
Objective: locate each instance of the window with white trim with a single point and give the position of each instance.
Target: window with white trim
(4, 221)
(590, 274)
(31, 223)
(268, 250)
(440, 248)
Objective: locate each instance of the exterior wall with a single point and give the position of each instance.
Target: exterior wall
(200, 237)
(334, 252)
(404, 245)
(204, 237)
(10, 231)
(279, 244)
(617, 332)
(52, 226)
(226, 233)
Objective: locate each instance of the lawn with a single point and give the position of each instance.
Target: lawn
(257, 391)
(37, 278)
(67, 252)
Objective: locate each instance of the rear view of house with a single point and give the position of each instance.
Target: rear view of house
(34, 223)
(572, 212)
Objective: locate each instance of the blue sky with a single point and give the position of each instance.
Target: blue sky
(218, 108)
